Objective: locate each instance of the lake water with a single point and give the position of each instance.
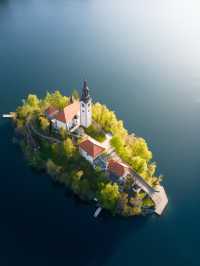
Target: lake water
(142, 59)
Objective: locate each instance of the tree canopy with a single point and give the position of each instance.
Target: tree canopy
(52, 169)
(44, 123)
(68, 148)
(56, 99)
(75, 94)
(109, 195)
(30, 106)
(108, 120)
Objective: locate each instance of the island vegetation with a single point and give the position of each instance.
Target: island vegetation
(57, 153)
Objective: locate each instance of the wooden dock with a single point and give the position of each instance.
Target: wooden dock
(10, 115)
(157, 194)
(160, 199)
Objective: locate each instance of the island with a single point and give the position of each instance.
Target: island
(84, 146)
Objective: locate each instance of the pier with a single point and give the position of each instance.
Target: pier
(157, 194)
(10, 115)
(160, 199)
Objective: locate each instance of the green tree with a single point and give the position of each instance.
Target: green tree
(136, 211)
(147, 202)
(122, 203)
(56, 99)
(95, 131)
(68, 148)
(76, 182)
(53, 169)
(33, 101)
(24, 111)
(64, 178)
(20, 123)
(44, 123)
(75, 94)
(85, 189)
(128, 183)
(108, 120)
(140, 148)
(37, 162)
(117, 143)
(108, 196)
(138, 164)
(63, 133)
(55, 150)
(152, 169)
(135, 201)
(29, 107)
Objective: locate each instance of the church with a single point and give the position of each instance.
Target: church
(76, 113)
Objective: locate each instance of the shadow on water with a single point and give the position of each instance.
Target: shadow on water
(42, 225)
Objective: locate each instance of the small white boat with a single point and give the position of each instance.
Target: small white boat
(8, 115)
(97, 212)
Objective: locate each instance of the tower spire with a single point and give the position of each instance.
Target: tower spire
(85, 84)
(85, 92)
(85, 107)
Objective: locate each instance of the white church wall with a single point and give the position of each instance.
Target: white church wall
(86, 114)
(60, 124)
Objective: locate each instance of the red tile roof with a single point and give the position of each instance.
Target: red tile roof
(60, 117)
(68, 113)
(71, 110)
(51, 111)
(116, 168)
(91, 148)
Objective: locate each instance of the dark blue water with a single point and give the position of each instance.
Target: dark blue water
(142, 59)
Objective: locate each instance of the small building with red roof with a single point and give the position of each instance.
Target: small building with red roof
(90, 149)
(117, 168)
(51, 112)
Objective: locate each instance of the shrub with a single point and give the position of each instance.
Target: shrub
(96, 132)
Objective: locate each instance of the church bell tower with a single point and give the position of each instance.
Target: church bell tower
(86, 107)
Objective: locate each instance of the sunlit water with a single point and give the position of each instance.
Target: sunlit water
(142, 59)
